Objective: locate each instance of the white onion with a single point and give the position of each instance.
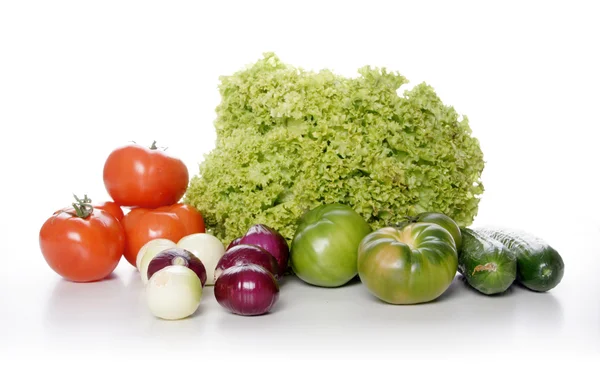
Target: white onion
(149, 251)
(174, 293)
(206, 247)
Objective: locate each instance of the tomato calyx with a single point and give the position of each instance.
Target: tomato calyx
(408, 219)
(83, 207)
(154, 147)
(404, 221)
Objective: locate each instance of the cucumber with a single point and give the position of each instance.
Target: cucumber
(539, 266)
(487, 265)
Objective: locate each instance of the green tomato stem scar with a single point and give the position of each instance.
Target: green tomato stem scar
(406, 236)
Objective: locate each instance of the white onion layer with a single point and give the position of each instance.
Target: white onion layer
(174, 293)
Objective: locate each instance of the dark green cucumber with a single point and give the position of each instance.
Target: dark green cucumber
(539, 267)
(487, 265)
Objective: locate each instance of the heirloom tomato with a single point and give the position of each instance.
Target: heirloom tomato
(412, 264)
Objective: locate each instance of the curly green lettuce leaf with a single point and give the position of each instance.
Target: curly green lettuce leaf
(289, 140)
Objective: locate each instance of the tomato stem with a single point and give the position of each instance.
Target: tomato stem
(83, 207)
(154, 147)
(411, 219)
(404, 220)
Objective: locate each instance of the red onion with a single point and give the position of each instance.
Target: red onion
(270, 240)
(247, 290)
(233, 243)
(177, 257)
(244, 254)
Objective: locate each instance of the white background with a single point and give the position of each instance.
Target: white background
(79, 78)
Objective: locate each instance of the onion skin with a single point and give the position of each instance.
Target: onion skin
(247, 290)
(246, 254)
(177, 257)
(270, 240)
(234, 243)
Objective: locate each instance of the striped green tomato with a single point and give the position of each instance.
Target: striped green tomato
(440, 219)
(411, 264)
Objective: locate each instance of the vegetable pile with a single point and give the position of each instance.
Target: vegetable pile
(289, 140)
(164, 239)
(317, 176)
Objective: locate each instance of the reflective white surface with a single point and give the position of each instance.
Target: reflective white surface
(53, 315)
(77, 80)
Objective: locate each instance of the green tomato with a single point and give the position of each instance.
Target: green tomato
(440, 219)
(411, 264)
(325, 246)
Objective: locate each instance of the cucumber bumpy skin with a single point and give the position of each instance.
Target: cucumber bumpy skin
(487, 265)
(539, 266)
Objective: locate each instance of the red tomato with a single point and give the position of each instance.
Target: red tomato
(137, 176)
(171, 222)
(189, 216)
(113, 208)
(82, 247)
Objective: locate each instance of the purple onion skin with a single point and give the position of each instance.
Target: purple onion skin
(246, 254)
(234, 243)
(270, 240)
(177, 256)
(247, 290)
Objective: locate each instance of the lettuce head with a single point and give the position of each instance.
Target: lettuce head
(289, 139)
